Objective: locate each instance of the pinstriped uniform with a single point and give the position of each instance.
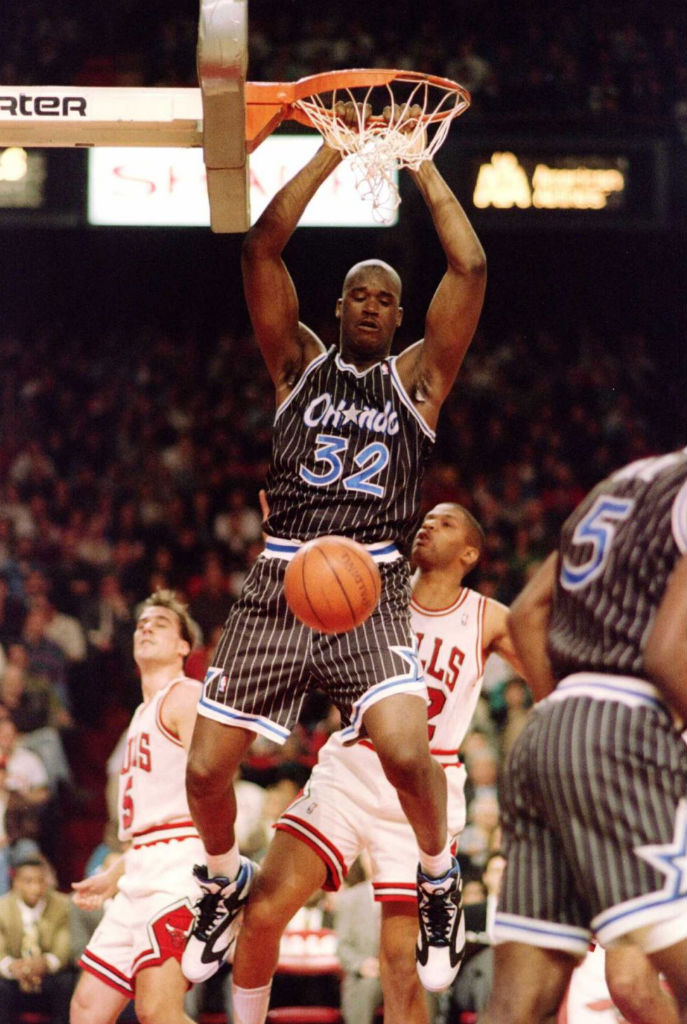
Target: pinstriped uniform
(593, 800)
(349, 453)
(600, 619)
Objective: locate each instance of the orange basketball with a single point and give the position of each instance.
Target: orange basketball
(332, 584)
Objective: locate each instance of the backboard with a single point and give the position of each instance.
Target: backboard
(213, 116)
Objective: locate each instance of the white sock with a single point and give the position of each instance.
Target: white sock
(251, 1004)
(436, 865)
(226, 864)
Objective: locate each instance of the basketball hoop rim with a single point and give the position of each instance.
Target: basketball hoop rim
(289, 94)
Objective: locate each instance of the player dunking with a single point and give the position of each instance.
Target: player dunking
(593, 799)
(348, 805)
(353, 431)
(136, 950)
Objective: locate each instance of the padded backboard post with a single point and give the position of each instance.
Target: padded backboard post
(222, 59)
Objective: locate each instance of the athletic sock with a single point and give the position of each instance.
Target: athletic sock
(251, 1004)
(226, 864)
(437, 865)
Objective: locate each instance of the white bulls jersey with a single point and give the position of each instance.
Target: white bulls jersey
(348, 803)
(152, 795)
(450, 643)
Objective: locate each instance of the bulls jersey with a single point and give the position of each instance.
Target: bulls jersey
(348, 455)
(152, 794)
(450, 643)
(616, 553)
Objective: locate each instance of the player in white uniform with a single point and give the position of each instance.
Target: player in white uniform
(348, 804)
(136, 950)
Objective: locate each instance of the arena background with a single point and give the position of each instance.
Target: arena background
(578, 364)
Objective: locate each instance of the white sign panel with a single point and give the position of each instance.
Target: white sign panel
(166, 187)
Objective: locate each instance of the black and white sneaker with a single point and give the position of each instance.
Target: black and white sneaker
(217, 920)
(441, 941)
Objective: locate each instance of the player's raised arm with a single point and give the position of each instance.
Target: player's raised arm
(457, 303)
(270, 293)
(665, 654)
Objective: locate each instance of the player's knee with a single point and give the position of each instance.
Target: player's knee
(202, 778)
(267, 912)
(80, 1008)
(151, 1007)
(406, 769)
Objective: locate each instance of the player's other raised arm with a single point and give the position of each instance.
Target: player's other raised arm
(665, 654)
(528, 624)
(457, 303)
(270, 293)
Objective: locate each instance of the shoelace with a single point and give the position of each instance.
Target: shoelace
(437, 911)
(210, 912)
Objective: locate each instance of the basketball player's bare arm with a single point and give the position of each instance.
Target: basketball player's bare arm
(286, 345)
(528, 622)
(179, 710)
(665, 654)
(431, 368)
(497, 639)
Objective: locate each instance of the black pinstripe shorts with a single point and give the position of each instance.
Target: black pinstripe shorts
(267, 661)
(594, 816)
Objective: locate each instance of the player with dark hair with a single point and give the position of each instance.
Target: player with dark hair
(136, 949)
(354, 429)
(593, 798)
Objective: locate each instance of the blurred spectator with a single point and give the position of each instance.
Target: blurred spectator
(210, 599)
(29, 810)
(64, 630)
(45, 657)
(4, 837)
(474, 842)
(12, 613)
(31, 712)
(106, 619)
(357, 924)
(483, 766)
(252, 825)
(36, 968)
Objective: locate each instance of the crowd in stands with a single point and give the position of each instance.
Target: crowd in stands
(599, 62)
(141, 469)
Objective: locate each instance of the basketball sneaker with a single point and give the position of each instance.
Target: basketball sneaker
(217, 915)
(441, 941)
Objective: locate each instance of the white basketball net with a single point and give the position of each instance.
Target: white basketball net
(382, 133)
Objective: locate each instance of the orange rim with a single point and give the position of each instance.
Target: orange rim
(270, 103)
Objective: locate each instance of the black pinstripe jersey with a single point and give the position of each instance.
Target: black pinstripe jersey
(616, 553)
(348, 455)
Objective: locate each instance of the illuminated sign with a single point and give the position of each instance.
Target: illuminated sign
(560, 183)
(22, 179)
(166, 186)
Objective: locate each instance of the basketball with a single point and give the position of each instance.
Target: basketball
(332, 584)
